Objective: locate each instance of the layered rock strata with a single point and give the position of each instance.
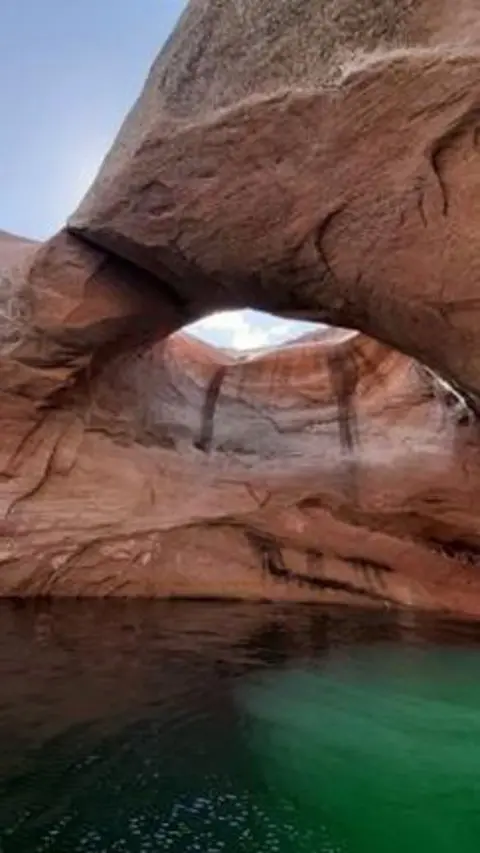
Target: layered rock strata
(333, 469)
(314, 159)
(310, 159)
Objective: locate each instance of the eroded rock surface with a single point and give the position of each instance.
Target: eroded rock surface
(332, 469)
(311, 159)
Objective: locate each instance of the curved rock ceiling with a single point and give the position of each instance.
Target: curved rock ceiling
(272, 161)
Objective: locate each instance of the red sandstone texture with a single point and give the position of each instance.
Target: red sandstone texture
(312, 160)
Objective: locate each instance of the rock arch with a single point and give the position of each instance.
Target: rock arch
(333, 179)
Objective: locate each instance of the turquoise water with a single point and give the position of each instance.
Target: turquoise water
(212, 727)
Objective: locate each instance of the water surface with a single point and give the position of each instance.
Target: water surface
(204, 727)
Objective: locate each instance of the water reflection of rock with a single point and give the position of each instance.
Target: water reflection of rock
(67, 663)
(89, 669)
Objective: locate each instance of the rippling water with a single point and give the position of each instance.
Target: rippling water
(155, 726)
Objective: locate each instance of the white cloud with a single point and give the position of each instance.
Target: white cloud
(224, 320)
(245, 330)
(246, 336)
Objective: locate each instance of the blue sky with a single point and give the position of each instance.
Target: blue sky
(70, 71)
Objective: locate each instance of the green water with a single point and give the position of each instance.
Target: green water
(197, 728)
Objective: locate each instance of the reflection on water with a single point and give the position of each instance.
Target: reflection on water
(156, 726)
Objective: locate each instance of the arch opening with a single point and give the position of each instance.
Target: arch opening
(249, 330)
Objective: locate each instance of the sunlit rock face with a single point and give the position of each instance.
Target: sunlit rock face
(331, 469)
(309, 159)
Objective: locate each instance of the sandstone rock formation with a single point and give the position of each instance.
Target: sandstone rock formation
(310, 159)
(315, 158)
(332, 469)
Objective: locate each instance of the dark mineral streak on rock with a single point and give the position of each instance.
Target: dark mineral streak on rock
(315, 159)
(344, 378)
(204, 442)
(272, 563)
